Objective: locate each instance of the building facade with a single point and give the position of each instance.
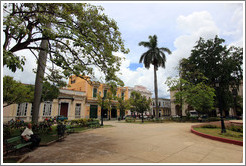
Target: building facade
(93, 109)
(164, 106)
(77, 100)
(177, 111)
(144, 92)
(70, 104)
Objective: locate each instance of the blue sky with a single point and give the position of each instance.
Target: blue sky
(177, 25)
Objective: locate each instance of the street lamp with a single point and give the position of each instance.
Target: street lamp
(102, 111)
(223, 129)
(234, 93)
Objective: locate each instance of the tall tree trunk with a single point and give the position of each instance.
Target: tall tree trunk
(156, 93)
(42, 58)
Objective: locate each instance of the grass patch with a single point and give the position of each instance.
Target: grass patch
(217, 132)
(108, 126)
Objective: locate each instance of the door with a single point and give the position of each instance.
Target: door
(113, 113)
(93, 111)
(64, 109)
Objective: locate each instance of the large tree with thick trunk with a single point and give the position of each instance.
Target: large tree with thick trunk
(79, 39)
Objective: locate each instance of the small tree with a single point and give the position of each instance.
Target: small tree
(139, 103)
(199, 96)
(16, 92)
(123, 105)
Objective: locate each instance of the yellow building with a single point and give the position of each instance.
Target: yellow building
(69, 103)
(92, 108)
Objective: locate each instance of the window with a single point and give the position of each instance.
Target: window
(22, 109)
(72, 81)
(94, 92)
(77, 110)
(122, 95)
(47, 108)
(105, 93)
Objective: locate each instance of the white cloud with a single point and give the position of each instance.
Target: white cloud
(27, 76)
(195, 25)
(138, 21)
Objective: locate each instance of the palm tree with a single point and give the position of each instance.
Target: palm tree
(155, 56)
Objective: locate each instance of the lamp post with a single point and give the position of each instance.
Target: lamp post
(223, 129)
(102, 111)
(234, 93)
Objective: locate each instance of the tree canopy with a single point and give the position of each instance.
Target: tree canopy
(139, 103)
(81, 37)
(220, 64)
(199, 96)
(15, 92)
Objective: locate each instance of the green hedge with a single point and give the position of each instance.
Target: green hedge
(130, 119)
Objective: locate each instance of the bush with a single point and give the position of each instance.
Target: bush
(209, 126)
(232, 135)
(130, 119)
(212, 119)
(236, 128)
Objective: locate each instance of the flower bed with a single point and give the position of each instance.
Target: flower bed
(232, 141)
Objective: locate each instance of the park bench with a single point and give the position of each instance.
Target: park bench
(93, 124)
(15, 143)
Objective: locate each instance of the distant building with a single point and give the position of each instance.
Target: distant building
(77, 100)
(164, 107)
(175, 108)
(70, 104)
(144, 92)
(93, 110)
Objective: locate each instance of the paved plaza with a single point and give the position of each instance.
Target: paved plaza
(138, 143)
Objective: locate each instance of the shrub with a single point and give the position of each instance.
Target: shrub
(236, 128)
(211, 119)
(232, 135)
(209, 126)
(130, 119)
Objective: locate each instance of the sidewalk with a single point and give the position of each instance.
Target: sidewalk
(138, 143)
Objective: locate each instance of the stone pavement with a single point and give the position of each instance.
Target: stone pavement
(138, 143)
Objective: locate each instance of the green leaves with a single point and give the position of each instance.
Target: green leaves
(155, 56)
(16, 92)
(199, 96)
(80, 37)
(219, 64)
(139, 103)
(13, 62)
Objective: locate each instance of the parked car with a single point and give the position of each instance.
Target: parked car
(175, 116)
(193, 113)
(145, 117)
(60, 117)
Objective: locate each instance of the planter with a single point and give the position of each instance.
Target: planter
(215, 138)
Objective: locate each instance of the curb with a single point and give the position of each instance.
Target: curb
(23, 159)
(240, 143)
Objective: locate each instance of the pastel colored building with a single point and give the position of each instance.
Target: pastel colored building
(77, 100)
(93, 108)
(70, 104)
(175, 108)
(164, 106)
